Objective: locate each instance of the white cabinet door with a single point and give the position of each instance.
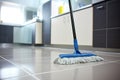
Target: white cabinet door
(29, 34)
(84, 26)
(61, 31)
(26, 34)
(38, 33)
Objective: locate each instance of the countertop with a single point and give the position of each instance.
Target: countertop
(81, 8)
(20, 25)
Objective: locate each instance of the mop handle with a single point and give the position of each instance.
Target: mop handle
(72, 20)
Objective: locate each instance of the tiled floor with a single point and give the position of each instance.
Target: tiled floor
(36, 63)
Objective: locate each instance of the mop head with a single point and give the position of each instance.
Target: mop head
(67, 59)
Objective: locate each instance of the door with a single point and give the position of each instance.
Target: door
(113, 8)
(113, 28)
(99, 18)
(99, 25)
(6, 34)
(47, 23)
(113, 38)
(99, 39)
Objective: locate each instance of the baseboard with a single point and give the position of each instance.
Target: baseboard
(81, 47)
(84, 47)
(38, 44)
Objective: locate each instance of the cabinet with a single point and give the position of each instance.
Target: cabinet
(76, 4)
(84, 26)
(6, 34)
(99, 25)
(113, 21)
(99, 19)
(46, 31)
(28, 34)
(113, 38)
(38, 33)
(99, 38)
(106, 24)
(61, 30)
(113, 13)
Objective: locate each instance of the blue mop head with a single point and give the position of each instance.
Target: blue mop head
(77, 58)
(76, 55)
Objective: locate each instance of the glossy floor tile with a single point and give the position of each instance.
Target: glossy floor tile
(21, 78)
(108, 71)
(1, 59)
(36, 63)
(8, 70)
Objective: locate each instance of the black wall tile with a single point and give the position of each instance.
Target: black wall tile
(113, 38)
(6, 34)
(99, 38)
(113, 13)
(99, 18)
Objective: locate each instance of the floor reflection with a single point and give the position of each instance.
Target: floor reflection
(109, 71)
(9, 72)
(26, 63)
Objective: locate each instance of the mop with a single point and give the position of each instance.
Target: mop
(76, 57)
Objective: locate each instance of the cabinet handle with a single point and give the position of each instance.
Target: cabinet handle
(100, 7)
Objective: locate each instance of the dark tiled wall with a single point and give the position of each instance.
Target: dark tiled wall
(6, 34)
(106, 31)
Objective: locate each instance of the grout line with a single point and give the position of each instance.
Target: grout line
(73, 49)
(33, 75)
(15, 77)
(58, 70)
(105, 53)
(20, 68)
(76, 67)
(109, 54)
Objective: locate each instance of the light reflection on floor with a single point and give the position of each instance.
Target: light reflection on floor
(36, 63)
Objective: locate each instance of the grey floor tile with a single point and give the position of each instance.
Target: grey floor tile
(41, 60)
(21, 78)
(6, 51)
(110, 58)
(8, 70)
(1, 59)
(108, 53)
(108, 71)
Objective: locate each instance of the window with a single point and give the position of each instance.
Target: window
(30, 14)
(11, 14)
